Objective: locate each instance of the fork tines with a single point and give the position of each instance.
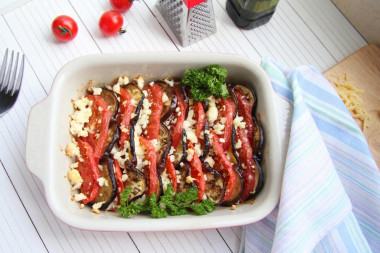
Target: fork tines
(8, 73)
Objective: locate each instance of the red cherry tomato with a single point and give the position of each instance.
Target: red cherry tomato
(110, 23)
(64, 28)
(121, 5)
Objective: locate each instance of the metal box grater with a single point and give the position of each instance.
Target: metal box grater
(189, 25)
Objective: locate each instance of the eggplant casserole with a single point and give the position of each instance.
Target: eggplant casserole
(147, 137)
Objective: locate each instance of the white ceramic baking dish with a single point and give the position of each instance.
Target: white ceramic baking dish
(48, 134)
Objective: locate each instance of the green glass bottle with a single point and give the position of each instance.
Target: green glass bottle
(248, 14)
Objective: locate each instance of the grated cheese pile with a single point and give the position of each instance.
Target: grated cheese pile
(351, 97)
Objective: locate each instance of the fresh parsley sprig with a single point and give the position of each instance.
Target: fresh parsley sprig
(206, 82)
(170, 203)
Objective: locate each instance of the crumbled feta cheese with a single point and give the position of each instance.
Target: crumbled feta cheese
(238, 144)
(79, 197)
(218, 128)
(190, 154)
(212, 112)
(73, 165)
(97, 205)
(96, 90)
(116, 88)
(169, 81)
(75, 179)
(190, 179)
(188, 125)
(124, 177)
(165, 98)
(210, 161)
(80, 116)
(72, 150)
(102, 181)
(140, 82)
(123, 80)
(238, 122)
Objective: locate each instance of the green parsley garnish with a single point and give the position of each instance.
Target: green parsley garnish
(170, 203)
(206, 82)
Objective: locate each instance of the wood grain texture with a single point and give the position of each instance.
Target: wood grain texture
(363, 70)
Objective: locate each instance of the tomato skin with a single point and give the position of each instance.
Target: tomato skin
(88, 169)
(246, 158)
(176, 130)
(119, 180)
(126, 110)
(170, 170)
(110, 23)
(155, 97)
(200, 118)
(196, 172)
(151, 171)
(64, 28)
(228, 113)
(121, 5)
(245, 110)
(223, 165)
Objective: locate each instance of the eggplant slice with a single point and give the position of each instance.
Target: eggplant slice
(111, 101)
(113, 136)
(171, 104)
(108, 190)
(135, 90)
(165, 141)
(258, 140)
(184, 172)
(259, 179)
(136, 180)
(215, 187)
(235, 196)
(249, 93)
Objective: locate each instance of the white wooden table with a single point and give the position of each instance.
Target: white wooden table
(300, 32)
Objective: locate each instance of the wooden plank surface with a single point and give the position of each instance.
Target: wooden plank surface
(363, 70)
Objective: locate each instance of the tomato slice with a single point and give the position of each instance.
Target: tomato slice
(98, 124)
(170, 170)
(245, 111)
(224, 166)
(126, 110)
(200, 118)
(176, 129)
(88, 169)
(155, 98)
(119, 180)
(196, 172)
(227, 112)
(248, 164)
(151, 170)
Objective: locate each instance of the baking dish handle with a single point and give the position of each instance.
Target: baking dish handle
(37, 140)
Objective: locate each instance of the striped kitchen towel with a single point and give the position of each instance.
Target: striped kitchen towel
(330, 195)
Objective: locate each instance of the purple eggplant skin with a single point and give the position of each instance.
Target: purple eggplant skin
(259, 180)
(113, 137)
(165, 140)
(132, 129)
(111, 100)
(184, 171)
(234, 99)
(169, 106)
(215, 187)
(258, 141)
(250, 94)
(206, 142)
(235, 196)
(107, 192)
(136, 180)
(233, 143)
